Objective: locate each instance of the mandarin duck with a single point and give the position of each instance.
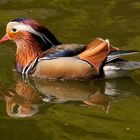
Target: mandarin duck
(40, 54)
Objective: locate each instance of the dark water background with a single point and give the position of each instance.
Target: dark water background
(59, 110)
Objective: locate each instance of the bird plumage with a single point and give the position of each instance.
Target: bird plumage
(40, 54)
(40, 32)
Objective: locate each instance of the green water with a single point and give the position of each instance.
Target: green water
(113, 113)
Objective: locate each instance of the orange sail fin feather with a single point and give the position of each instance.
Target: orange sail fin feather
(96, 53)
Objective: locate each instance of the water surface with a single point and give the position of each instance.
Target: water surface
(70, 110)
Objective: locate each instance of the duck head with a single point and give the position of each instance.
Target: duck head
(31, 39)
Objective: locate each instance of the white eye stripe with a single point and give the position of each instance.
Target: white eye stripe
(28, 28)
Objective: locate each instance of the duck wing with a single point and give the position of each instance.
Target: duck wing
(65, 50)
(119, 53)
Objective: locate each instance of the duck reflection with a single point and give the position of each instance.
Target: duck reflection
(89, 92)
(23, 102)
(29, 96)
(99, 99)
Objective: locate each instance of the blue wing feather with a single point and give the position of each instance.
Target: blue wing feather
(64, 50)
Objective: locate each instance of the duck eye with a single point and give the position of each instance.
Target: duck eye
(14, 29)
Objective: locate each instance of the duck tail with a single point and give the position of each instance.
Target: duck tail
(96, 52)
(120, 69)
(130, 65)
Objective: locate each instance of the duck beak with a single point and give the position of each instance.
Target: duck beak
(5, 38)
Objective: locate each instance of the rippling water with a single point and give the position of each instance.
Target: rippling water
(63, 110)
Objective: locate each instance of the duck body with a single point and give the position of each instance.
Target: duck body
(54, 64)
(40, 54)
(64, 67)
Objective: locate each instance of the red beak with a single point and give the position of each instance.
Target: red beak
(5, 38)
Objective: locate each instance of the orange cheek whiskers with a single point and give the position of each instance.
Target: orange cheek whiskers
(27, 50)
